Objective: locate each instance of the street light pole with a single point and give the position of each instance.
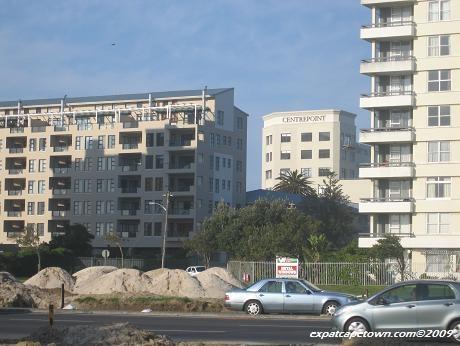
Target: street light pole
(163, 249)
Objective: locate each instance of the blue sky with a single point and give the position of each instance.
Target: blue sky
(277, 54)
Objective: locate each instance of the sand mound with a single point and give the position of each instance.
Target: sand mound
(119, 281)
(88, 275)
(172, 282)
(216, 281)
(51, 277)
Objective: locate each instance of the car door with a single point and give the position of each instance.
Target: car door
(297, 298)
(435, 302)
(271, 296)
(395, 309)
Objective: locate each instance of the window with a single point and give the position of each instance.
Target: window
(400, 294)
(78, 143)
(437, 263)
(217, 162)
(239, 144)
(211, 139)
(159, 160)
(268, 174)
(42, 144)
(111, 141)
(149, 162)
(88, 142)
(268, 140)
(100, 142)
(295, 287)
(306, 172)
(438, 187)
(40, 208)
(31, 187)
(157, 229)
(41, 165)
(239, 166)
(160, 139)
(220, 118)
(285, 137)
(32, 144)
(323, 171)
(439, 45)
(306, 137)
(148, 206)
(439, 151)
(41, 187)
(30, 208)
(439, 80)
(439, 116)
(31, 166)
(268, 157)
(305, 154)
(239, 123)
(437, 223)
(148, 229)
(285, 155)
(40, 229)
(324, 136)
(324, 153)
(149, 140)
(211, 184)
(148, 184)
(435, 291)
(285, 171)
(216, 186)
(272, 287)
(159, 184)
(438, 10)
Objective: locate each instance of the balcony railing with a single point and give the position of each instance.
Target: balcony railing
(382, 235)
(130, 124)
(38, 128)
(182, 143)
(181, 211)
(388, 59)
(61, 148)
(18, 129)
(13, 234)
(129, 189)
(15, 171)
(58, 128)
(387, 129)
(14, 192)
(16, 150)
(61, 170)
(130, 145)
(60, 213)
(389, 24)
(388, 93)
(128, 212)
(62, 191)
(387, 199)
(14, 213)
(130, 168)
(386, 164)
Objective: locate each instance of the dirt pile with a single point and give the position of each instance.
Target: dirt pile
(15, 294)
(173, 282)
(114, 334)
(52, 277)
(216, 281)
(85, 277)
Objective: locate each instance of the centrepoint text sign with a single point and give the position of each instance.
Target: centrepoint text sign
(304, 119)
(287, 267)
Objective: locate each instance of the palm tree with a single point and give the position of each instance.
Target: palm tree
(294, 182)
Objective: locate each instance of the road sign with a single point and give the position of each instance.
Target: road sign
(287, 267)
(105, 253)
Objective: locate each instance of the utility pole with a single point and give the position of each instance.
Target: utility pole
(163, 249)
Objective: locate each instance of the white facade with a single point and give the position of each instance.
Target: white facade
(414, 102)
(311, 142)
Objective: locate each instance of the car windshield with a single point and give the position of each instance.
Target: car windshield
(200, 269)
(311, 286)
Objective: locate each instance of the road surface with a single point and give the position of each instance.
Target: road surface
(235, 328)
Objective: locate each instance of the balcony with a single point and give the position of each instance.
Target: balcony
(15, 171)
(130, 124)
(387, 135)
(14, 192)
(61, 128)
(128, 212)
(387, 65)
(371, 3)
(130, 146)
(60, 213)
(178, 212)
(182, 167)
(130, 168)
(387, 170)
(16, 150)
(386, 205)
(386, 30)
(61, 170)
(14, 213)
(367, 240)
(387, 99)
(61, 192)
(38, 128)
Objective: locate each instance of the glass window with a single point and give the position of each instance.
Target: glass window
(285, 171)
(437, 263)
(439, 80)
(439, 116)
(148, 229)
(285, 137)
(439, 10)
(439, 45)
(285, 155)
(437, 223)
(268, 174)
(405, 293)
(438, 187)
(295, 287)
(306, 137)
(323, 171)
(160, 139)
(434, 292)
(324, 153)
(111, 141)
(272, 287)
(439, 151)
(268, 140)
(324, 136)
(305, 154)
(306, 172)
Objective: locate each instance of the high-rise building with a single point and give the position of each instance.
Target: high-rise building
(414, 102)
(312, 142)
(107, 161)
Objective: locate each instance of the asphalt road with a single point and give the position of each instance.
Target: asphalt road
(219, 328)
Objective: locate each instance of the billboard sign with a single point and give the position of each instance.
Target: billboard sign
(287, 267)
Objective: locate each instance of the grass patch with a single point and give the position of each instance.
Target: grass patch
(352, 289)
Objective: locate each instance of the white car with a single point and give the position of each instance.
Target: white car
(195, 270)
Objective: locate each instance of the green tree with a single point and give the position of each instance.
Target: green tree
(332, 190)
(29, 238)
(350, 253)
(390, 247)
(294, 182)
(76, 239)
(203, 243)
(316, 248)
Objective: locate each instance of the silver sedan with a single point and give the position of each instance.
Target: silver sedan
(410, 305)
(285, 296)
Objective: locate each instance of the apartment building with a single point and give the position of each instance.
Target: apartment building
(313, 142)
(107, 161)
(414, 104)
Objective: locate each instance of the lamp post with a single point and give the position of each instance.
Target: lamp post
(168, 195)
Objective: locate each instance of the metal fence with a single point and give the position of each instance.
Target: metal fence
(342, 273)
(114, 262)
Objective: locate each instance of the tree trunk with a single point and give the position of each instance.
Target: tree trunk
(39, 264)
(121, 252)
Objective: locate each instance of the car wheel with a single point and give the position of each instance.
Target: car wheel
(357, 325)
(330, 307)
(253, 308)
(455, 327)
